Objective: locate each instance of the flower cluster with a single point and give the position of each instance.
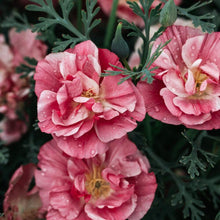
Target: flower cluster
(13, 89)
(92, 166)
(88, 102)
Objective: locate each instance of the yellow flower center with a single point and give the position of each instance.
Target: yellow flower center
(95, 185)
(88, 93)
(199, 78)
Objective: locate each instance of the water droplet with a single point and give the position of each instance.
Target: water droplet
(173, 89)
(42, 174)
(214, 60)
(80, 57)
(175, 43)
(167, 79)
(176, 56)
(113, 128)
(64, 138)
(48, 97)
(93, 152)
(165, 60)
(177, 48)
(193, 47)
(79, 145)
(192, 54)
(164, 118)
(156, 109)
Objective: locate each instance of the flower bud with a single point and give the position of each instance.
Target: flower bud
(119, 45)
(168, 14)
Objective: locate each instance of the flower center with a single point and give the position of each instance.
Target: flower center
(199, 78)
(88, 93)
(95, 185)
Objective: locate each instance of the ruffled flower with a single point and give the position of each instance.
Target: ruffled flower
(125, 12)
(186, 88)
(78, 106)
(19, 202)
(114, 185)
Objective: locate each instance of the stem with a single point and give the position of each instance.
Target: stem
(79, 9)
(111, 22)
(164, 167)
(126, 64)
(147, 130)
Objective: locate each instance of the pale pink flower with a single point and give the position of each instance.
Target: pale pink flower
(19, 202)
(186, 88)
(124, 11)
(13, 89)
(114, 185)
(25, 44)
(134, 59)
(12, 130)
(78, 107)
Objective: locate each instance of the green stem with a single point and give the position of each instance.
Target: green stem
(126, 64)
(147, 130)
(111, 22)
(164, 167)
(79, 9)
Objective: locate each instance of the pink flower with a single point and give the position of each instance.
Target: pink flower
(124, 11)
(78, 107)
(134, 59)
(11, 130)
(186, 88)
(19, 203)
(25, 44)
(114, 185)
(13, 89)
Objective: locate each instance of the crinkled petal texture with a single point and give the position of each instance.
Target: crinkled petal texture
(125, 12)
(76, 104)
(114, 185)
(186, 89)
(19, 203)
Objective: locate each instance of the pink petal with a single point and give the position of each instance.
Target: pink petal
(83, 147)
(192, 120)
(145, 190)
(121, 212)
(68, 65)
(192, 49)
(113, 129)
(168, 100)
(212, 70)
(175, 83)
(154, 103)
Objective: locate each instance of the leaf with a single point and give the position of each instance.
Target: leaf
(199, 20)
(4, 155)
(17, 21)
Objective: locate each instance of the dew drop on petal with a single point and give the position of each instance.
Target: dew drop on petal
(80, 57)
(93, 152)
(79, 145)
(64, 138)
(164, 118)
(156, 109)
(192, 54)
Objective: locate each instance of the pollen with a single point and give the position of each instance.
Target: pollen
(88, 93)
(95, 185)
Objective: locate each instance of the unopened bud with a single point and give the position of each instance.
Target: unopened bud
(168, 14)
(119, 45)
